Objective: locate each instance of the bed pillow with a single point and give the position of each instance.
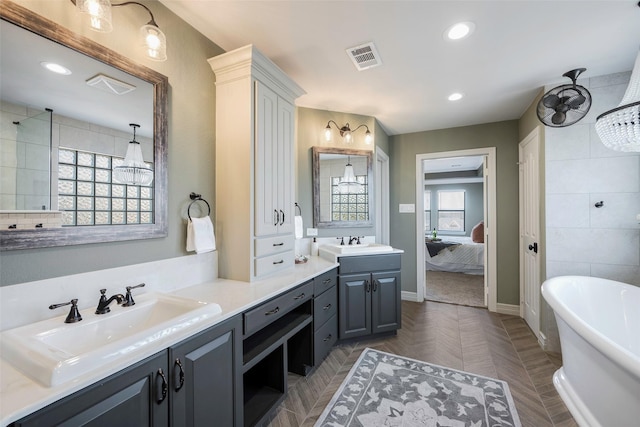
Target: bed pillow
(477, 233)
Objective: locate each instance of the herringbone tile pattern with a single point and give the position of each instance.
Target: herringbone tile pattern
(465, 338)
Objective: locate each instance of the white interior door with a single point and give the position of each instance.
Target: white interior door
(529, 154)
(485, 216)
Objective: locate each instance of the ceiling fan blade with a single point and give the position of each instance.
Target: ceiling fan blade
(558, 118)
(551, 101)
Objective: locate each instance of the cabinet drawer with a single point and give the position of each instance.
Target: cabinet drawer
(273, 245)
(369, 263)
(325, 281)
(324, 339)
(324, 307)
(272, 263)
(266, 313)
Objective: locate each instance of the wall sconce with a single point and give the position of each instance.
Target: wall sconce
(346, 132)
(151, 37)
(134, 171)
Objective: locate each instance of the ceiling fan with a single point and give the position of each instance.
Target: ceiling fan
(566, 104)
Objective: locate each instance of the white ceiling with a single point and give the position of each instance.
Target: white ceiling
(517, 48)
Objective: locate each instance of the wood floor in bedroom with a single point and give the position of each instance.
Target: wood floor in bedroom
(465, 338)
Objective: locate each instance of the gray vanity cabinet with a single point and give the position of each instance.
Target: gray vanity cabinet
(130, 398)
(206, 382)
(325, 315)
(369, 295)
(194, 383)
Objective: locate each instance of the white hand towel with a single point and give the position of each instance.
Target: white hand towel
(298, 226)
(200, 235)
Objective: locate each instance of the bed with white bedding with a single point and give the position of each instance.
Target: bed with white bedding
(461, 256)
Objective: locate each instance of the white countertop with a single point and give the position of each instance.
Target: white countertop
(21, 396)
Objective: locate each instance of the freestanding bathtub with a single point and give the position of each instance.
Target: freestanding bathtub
(599, 325)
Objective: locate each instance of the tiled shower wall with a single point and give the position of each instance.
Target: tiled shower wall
(579, 172)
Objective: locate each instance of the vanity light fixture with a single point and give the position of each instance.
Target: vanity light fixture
(152, 39)
(134, 171)
(346, 133)
(349, 183)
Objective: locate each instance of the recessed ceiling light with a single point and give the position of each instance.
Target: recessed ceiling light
(56, 68)
(459, 31)
(455, 96)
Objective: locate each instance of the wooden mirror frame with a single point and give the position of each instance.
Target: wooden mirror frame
(51, 237)
(316, 151)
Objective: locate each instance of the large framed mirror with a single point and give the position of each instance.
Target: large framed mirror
(342, 187)
(63, 134)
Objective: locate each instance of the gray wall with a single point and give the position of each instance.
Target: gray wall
(403, 151)
(191, 142)
(473, 203)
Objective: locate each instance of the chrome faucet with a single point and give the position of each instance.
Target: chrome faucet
(103, 304)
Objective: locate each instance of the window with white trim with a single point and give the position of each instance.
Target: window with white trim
(451, 204)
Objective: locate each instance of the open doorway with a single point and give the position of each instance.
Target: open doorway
(456, 233)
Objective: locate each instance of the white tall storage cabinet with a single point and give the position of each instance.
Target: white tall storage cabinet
(255, 130)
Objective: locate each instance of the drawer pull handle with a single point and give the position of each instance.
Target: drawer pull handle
(274, 311)
(326, 281)
(178, 375)
(278, 262)
(299, 296)
(326, 307)
(161, 387)
(327, 338)
(278, 244)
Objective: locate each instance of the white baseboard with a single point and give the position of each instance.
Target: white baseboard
(542, 340)
(409, 296)
(513, 310)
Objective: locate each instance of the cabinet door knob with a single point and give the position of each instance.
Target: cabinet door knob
(161, 386)
(178, 375)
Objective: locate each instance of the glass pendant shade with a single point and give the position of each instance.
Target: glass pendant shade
(98, 13)
(154, 42)
(348, 182)
(134, 171)
(619, 128)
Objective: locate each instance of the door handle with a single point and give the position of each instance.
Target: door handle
(534, 247)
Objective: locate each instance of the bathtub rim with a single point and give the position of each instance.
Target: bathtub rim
(614, 351)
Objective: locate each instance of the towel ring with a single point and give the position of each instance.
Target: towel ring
(196, 197)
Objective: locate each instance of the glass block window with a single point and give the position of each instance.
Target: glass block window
(87, 196)
(350, 206)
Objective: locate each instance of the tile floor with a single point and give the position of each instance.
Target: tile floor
(465, 338)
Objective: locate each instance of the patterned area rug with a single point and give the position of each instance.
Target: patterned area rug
(383, 389)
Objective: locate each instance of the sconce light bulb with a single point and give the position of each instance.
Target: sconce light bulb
(327, 133)
(368, 138)
(347, 137)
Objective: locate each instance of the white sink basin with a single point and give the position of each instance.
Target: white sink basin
(357, 249)
(53, 352)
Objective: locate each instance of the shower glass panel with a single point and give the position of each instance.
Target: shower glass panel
(33, 162)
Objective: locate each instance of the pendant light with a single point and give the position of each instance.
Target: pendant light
(348, 182)
(134, 171)
(619, 128)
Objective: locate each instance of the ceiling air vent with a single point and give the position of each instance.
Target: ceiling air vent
(364, 56)
(109, 84)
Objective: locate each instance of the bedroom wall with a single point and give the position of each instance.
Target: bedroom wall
(473, 203)
(403, 151)
(580, 171)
